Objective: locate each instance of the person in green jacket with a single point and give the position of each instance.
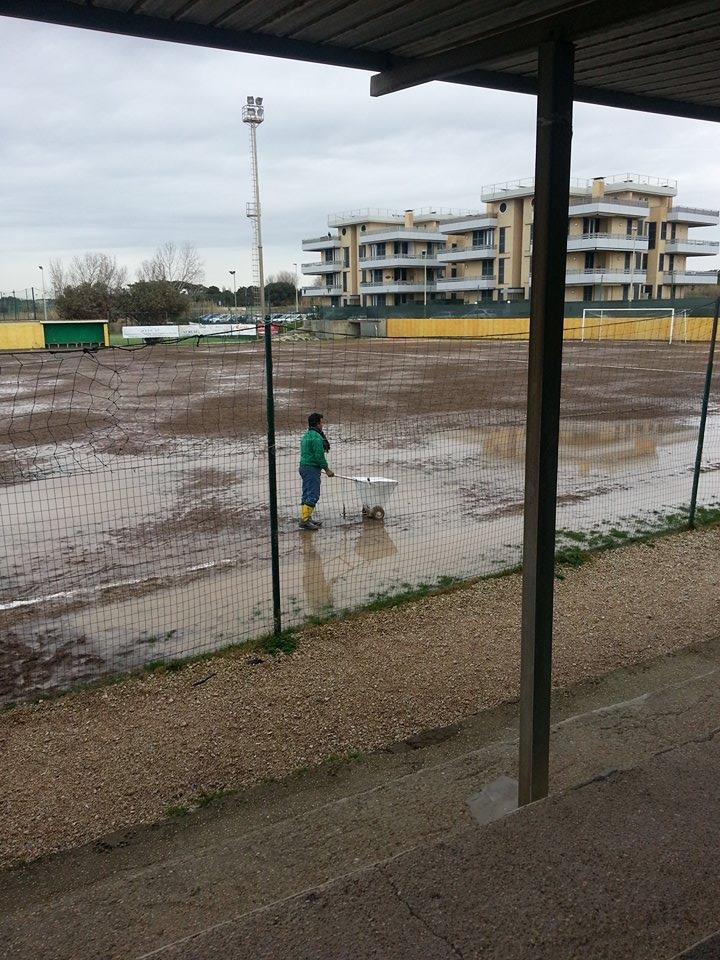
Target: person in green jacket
(313, 448)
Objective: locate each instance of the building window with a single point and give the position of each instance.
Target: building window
(663, 231)
(501, 241)
(344, 276)
(453, 271)
(346, 256)
(629, 225)
(501, 271)
(661, 262)
(673, 230)
(671, 261)
(486, 294)
(587, 293)
(486, 270)
(625, 291)
(503, 207)
(652, 234)
(644, 261)
(626, 265)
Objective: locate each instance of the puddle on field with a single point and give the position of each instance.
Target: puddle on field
(146, 558)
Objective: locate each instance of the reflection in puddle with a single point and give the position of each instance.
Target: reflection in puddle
(160, 557)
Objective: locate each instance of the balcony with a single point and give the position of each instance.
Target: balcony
(398, 286)
(466, 224)
(450, 284)
(322, 266)
(402, 233)
(602, 276)
(608, 208)
(321, 243)
(693, 248)
(693, 277)
(399, 260)
(695, 216)
(473, 252)
(607, 241)
(334, 291)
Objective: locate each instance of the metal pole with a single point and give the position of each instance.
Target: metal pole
(425, 281)
(297, 299)
(634, 231)
(15, 302)
(34, 304)
(272, 481)
(703, 417)
(42, 274)
(552, 186)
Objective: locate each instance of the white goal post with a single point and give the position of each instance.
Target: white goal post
(629, 313)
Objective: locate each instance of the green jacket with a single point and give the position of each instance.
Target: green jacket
(312, 452)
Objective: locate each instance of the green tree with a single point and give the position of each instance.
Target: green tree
(86, 301)
(153, 301)
(279, 291)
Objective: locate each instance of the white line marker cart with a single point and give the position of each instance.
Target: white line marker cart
(374, 492)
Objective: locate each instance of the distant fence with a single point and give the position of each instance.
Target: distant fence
(135, 521)
(449, 309)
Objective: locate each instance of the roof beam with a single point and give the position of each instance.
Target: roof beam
(69, 14)
(569, 24)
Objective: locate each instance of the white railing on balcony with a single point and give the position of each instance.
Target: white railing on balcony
(401, 256)
(697, 210)
(322, 265)
(471, 248)
(590, 201)
(416, 228)
(397, 283)
(641, 180)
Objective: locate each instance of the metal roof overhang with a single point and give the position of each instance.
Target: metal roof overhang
(654, 55)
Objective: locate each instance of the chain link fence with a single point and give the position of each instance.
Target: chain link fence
(134, 485)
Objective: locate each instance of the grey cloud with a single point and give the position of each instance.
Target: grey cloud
(116, 144)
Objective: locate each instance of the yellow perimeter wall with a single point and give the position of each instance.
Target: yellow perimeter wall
(595, 328)
(21, 336)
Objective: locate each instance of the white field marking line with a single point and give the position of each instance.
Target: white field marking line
(635, 702)
(602, 366)
(88, 591)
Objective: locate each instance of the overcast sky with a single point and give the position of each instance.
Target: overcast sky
(115, 144)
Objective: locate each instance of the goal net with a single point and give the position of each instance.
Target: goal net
(630, 323)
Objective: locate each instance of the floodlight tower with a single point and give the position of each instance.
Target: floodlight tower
(253, 114)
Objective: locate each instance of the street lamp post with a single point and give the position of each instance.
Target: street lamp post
(232, 274)
(297, 300)
(42, 274)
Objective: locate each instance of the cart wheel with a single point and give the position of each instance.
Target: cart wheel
(377, 513)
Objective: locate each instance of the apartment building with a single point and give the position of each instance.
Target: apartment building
(378, 257)
(627, 240)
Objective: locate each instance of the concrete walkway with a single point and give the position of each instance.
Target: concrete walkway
(399, 855)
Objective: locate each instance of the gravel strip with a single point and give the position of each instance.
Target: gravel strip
(88, 763)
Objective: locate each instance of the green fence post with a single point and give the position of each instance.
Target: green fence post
(272, 481)
(703, 417)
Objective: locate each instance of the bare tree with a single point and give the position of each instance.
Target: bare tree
(57, 276)
(89, 269)
(177, 265)
(282, 276)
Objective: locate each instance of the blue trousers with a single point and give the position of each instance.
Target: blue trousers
(310, 485)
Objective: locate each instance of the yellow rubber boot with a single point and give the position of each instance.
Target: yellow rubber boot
(305, 513)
